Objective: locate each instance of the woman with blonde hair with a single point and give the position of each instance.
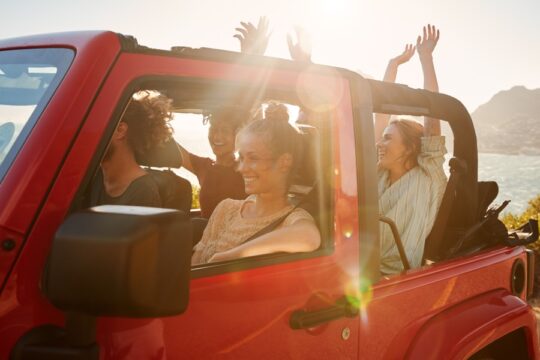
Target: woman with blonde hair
(410, 161)
(269, 151)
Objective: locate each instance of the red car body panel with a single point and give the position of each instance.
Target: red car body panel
(238, 314)
(28, 181)
(462, 330)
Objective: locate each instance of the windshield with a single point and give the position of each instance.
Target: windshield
(28, 78)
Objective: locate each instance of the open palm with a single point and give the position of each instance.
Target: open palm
(405, 55)
(426, 44)
(253, 39)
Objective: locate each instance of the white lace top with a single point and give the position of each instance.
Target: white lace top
(227, 228)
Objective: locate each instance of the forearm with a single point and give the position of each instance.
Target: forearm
(381, 120)
(295, 238)
(186, 159)
(430, 77)
(391, 71)
(196, 258)
(432, 127)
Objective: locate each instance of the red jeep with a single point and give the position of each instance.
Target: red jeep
(116, 282)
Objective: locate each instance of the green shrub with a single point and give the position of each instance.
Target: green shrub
(195, 192)
(513, 221)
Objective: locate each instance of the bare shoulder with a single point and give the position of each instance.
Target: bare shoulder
(297, 216)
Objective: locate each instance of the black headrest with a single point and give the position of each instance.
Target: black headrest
(167, 155)
(306, 170)
(487, 192)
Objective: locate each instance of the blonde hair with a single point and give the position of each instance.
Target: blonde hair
(411, 134)
(280, 136)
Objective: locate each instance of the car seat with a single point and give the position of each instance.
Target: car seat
(174, 190)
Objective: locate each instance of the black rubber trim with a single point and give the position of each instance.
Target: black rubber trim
(518, 277)
(130, 45)
(254, 262)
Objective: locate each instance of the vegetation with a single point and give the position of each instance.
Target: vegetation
(195, 191)
(513, 221)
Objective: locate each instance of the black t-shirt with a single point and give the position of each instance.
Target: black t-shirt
(217, 183)
(143, 191)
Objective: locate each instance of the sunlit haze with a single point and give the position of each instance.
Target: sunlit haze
(485, 46)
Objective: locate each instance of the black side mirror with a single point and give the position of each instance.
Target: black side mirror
(125, 261)
(121, 261)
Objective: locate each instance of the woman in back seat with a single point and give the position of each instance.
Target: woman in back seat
(411, 177)
(268, 152)
(218, 178)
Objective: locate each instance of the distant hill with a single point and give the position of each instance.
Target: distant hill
(509, 123)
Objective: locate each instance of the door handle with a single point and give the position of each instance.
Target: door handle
(303, 319)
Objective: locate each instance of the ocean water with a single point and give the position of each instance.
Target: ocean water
(518, 176)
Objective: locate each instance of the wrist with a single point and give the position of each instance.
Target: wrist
(425, 57)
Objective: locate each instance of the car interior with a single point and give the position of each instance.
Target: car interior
(311, 186)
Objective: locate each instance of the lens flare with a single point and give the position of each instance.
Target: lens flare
(359, 293)
(320, 91)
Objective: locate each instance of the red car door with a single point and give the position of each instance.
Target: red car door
(243, 309)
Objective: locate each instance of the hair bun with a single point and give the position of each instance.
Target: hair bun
(276, 112)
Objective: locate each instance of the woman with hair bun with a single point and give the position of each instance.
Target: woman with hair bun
(268, 151)
(411, 177)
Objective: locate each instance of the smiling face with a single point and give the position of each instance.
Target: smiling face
(261, 170)
(221, 138)
(391, 150)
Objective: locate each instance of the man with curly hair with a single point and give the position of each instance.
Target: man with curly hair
(143, 126)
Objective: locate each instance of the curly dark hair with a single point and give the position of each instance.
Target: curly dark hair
(147, 117)
(237, 117)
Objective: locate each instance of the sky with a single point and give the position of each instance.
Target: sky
(485, 46)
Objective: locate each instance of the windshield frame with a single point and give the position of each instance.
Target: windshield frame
(63, 57)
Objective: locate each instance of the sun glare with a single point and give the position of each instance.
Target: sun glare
(322, 13)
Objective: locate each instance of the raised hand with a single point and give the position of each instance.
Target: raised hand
(405, 56)
(382, 120)
(301, 51)
(426, 44)
(253, 39)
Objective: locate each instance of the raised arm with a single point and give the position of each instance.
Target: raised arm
(301, 50)
(381, 120)
(253, 39)
(186, 159)
(425, 45)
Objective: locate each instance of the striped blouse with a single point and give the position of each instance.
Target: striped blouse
(412, 203)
